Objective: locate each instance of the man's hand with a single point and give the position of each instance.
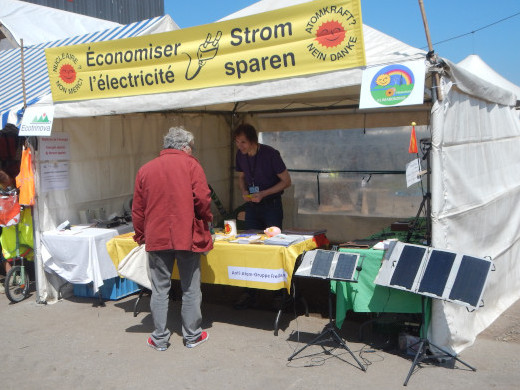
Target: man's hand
(257, 197)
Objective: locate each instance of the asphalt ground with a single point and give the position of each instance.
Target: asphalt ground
(76, 344)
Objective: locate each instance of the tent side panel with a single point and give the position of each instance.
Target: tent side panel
(475, 194)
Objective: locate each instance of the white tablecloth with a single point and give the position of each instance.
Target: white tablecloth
(79, 255)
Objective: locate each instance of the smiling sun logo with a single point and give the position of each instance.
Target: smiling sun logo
(330, 34)
(67, 73)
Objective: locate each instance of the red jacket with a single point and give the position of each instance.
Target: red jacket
(171, 205)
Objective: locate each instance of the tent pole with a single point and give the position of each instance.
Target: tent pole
(431, 54)
(232, 159)
(38, 269)
(23, 76)
(39, 273)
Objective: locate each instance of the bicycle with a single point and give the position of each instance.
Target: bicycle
(17, 280)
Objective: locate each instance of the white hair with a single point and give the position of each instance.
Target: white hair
(177, 138)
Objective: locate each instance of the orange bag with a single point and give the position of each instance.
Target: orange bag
(25, 179)
(9, 209)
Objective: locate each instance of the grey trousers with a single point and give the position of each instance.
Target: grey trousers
(161, 268)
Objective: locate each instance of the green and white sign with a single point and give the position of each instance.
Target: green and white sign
(37, 121)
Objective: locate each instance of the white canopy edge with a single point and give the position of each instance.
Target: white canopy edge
(37, 24)
(147, 27)
(473, 85)
(262, 6)
(474, 64)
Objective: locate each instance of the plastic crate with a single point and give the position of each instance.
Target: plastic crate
(112, 289)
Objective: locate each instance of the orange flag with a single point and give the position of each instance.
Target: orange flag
(413, 141)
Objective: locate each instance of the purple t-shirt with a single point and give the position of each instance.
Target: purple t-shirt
(261, 169)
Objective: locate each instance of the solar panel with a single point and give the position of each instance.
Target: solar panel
(441, 274)
(470, 281)
(437, 272)
(321, 264)
(345, 266)
(332, 265)
(407, 266)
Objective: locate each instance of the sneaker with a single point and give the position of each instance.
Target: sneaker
(202, 338)
(2, 288)
(151, 344)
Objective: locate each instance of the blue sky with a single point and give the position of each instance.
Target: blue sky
(498, 45)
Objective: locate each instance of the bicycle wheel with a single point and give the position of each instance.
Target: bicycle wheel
(17, 284)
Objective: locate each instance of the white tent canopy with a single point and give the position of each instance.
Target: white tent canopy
(37, 24)
(474, 64)
(36, 80)
(475, 137)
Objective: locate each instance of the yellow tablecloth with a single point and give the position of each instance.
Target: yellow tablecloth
(268, 267)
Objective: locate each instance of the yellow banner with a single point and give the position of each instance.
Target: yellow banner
(314, 37)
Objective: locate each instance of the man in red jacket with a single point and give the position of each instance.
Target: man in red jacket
(170, 213)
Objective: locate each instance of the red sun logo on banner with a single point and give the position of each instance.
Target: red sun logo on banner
(330, 34)
(68, 73)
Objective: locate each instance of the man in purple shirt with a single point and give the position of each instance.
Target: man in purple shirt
(262, 178)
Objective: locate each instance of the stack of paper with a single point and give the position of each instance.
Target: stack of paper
(305, 232)
(222, 237)
(285, 239)
(248, 239)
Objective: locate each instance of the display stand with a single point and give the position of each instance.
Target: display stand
(329, 334)
(437, 273)
(425, 347)
(329, 265)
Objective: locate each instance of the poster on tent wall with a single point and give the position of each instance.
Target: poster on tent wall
(56, 147)
(54, 162)
(393, 85)
(318, 36)
(54, 176)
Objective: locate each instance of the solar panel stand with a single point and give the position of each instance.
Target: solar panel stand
(426, 146)
(330, 331)
(439, 274)
(425, 345)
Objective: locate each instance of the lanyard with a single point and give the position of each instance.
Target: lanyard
(252, 171)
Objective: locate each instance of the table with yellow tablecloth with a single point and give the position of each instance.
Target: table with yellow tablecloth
(261, 266)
